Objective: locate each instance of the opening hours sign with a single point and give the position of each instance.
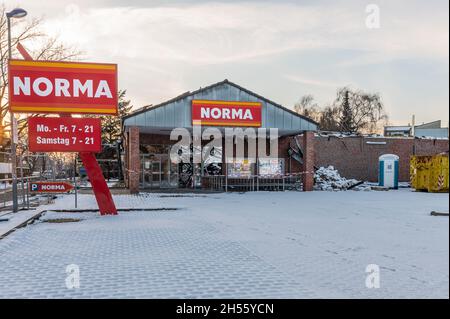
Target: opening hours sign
(64, 134)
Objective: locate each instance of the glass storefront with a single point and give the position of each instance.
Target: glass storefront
(158, 171)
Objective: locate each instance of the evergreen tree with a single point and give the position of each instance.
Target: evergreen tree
(346, 120)
(111, 125)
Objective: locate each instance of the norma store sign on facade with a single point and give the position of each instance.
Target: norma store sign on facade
(226, 113)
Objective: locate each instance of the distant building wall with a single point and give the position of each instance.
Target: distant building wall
(431, 132)
(357, 157)
(397, 131)
(434, 124)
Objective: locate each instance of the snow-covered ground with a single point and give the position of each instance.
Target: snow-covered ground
(253, 245)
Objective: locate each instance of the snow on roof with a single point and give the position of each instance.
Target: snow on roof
(397, 128)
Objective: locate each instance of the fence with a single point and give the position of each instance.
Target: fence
(25, 199)
(253, 183)
(46, 168)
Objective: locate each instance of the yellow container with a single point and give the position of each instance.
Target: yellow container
(430, 173)
(439, 174)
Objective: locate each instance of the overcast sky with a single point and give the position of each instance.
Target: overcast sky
(279, 49)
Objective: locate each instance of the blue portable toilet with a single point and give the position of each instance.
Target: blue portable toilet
(388, 170)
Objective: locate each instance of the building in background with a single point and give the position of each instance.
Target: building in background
(427, 130)
(432, 129)
(398, 131)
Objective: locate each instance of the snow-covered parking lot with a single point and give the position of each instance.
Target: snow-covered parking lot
(252, 245)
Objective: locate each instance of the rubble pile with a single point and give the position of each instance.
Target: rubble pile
(329, 179)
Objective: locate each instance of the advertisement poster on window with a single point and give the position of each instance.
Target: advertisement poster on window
(239, 168)
(271, 166)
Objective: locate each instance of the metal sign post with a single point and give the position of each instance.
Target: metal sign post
(75, 180)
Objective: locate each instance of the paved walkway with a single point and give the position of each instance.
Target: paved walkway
(266, 245)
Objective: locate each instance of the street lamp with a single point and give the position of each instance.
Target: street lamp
(16, 14)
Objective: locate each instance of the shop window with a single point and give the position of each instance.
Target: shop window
(239, 168)
(212, 160)
(271, 166)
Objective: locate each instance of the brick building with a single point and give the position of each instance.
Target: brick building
(149, 164)
(357, 157)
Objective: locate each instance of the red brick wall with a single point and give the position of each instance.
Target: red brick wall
(309, 160)
(133, 160)
(355, 158)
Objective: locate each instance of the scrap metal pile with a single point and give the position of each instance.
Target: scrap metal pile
(329, 179)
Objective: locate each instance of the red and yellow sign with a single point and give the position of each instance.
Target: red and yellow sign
(226, 113)
(62, 87)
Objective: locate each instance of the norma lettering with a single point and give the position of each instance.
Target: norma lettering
(53, 187)
(225, 113)
(61, 87)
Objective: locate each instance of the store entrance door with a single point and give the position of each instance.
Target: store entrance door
(150, 172)
(158, 172)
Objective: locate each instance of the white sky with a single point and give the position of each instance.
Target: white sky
(279, 49)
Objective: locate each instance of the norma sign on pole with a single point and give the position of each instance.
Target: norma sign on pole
(62, 87)
(65, 134)
(67, 88)
(226, 113)
(50, 187)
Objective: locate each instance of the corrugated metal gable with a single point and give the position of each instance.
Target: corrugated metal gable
(177, 113)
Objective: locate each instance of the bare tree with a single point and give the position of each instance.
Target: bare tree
(329, 119)
(360, 112)
(353, 111)
(308, 107)
(46, 48)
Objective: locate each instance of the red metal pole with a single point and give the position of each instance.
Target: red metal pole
(101, 191)
(23, 52)
(102, 194)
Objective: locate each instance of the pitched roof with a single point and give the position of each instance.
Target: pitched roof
(188, 93)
